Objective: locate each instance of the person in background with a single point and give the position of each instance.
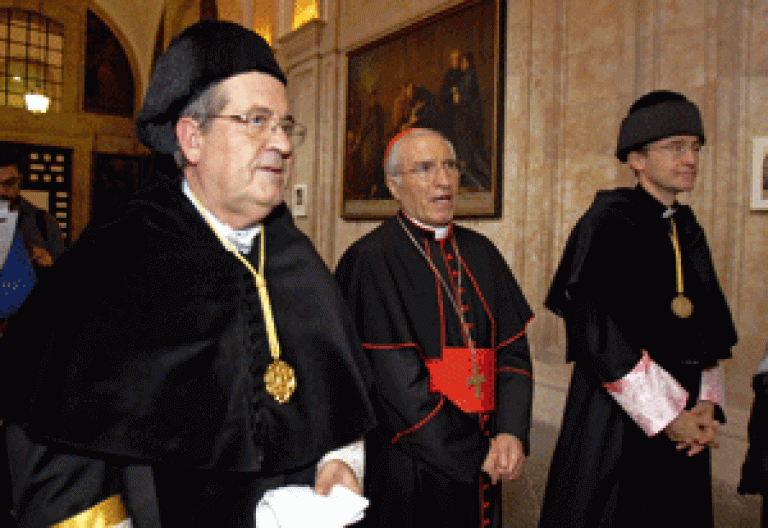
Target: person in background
(33, 240)
(754, 471)
(444, 324)
(40, 231)
(646, 326)
(194, 341)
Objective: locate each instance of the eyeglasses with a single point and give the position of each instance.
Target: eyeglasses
(678, 149)
(258, 122)
(428, 169)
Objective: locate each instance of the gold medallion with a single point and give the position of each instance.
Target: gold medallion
(280, 380)
(682, 306)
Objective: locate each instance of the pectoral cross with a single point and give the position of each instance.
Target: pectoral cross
(476, 379)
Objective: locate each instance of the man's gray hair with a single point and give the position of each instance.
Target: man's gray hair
(394, 154)
(209, 103)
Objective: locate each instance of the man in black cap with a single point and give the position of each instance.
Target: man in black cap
(646, 325)
(199, 335)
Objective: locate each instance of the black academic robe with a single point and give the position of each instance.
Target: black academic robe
(154, 347)
(423, 460)
(614, 288)
(754, 470)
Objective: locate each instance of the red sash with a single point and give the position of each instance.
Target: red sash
(451, 374)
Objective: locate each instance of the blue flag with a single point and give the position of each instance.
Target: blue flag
(16, 277)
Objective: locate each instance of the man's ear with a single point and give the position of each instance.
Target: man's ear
(190, 138)
(636, 160)
(393, 184)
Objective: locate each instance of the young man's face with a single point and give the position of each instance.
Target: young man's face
(10, 184)
(668, 166)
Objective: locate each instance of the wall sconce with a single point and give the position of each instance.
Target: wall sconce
(36, 102)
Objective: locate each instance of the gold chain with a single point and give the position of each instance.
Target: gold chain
(476, 378)
(280, 377)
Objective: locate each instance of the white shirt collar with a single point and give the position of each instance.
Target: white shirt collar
(440, 232)
(668, 212)
(242, 239)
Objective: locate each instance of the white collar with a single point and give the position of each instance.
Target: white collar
(763, 367)
(242, 239)
(668, 212)
(440, 232)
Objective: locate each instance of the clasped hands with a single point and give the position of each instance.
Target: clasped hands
(694, 431)
(505, 458)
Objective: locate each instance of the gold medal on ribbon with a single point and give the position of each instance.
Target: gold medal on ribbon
(280, 380)
(682, 306)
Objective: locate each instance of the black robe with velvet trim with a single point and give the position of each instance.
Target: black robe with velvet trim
(423, 460)
(614, 289)
(147, 341)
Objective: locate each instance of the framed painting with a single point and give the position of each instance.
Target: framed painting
(760, 173)
(445, 72)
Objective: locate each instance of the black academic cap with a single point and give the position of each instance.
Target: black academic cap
(657, 115)
(204, 53)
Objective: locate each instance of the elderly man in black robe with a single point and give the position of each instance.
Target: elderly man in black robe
(647, 325)
(444, 324)
(195, 334)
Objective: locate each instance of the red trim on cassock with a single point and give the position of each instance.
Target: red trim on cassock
(513, 369)
(482, 299)
(394, 346)
(483, 417)
(421, 423)
(454, 286)
(517, 336)
(439, 296)
(483, 481)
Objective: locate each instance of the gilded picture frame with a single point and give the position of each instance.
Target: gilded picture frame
(760, 173)
(444, 72)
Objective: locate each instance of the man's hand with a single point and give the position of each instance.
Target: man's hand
(704, 412)
(505, 458)
(41, 257)
(694, 431)
(336, 472)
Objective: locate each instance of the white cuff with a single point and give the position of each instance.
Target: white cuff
(650, 395)
(713, 386)
(353, 454)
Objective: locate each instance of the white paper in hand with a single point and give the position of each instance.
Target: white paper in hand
(300, 506)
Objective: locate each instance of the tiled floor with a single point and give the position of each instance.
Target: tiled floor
(523, 497)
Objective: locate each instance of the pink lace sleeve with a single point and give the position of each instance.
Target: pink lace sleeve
(713, 386)
(650, 395)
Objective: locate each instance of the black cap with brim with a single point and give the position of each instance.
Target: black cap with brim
(204, 53)
(668, 118)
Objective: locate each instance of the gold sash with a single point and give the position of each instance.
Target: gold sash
(105, 514)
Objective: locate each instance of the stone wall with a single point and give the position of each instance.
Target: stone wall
(573, 67)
